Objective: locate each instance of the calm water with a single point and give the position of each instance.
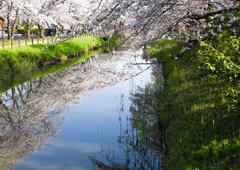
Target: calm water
(74, 119)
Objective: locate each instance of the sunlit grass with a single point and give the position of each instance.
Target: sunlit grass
(19, 58)
(194, 113)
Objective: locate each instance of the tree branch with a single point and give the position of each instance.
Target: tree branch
(198, 17)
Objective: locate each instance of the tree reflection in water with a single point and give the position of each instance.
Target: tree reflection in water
(142, 141)
(31, 114)
(25, 123)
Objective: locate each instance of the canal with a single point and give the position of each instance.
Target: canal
(78, 118)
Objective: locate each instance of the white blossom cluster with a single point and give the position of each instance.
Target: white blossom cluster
(44, 12)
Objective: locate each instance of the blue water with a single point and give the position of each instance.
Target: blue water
(89, 125)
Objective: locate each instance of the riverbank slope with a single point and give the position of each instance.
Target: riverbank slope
(16, 59)
(199, 107)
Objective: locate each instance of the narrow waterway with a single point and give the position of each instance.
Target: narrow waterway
(76, 118)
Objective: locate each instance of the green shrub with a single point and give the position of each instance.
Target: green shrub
(21, 30)
(34, 31)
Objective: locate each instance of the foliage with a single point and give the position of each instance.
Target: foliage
(222, 154)
(114, 41)
(34, 31)
(219, 59)
(201, 131)
(21, 31)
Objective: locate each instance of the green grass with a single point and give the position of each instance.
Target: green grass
(27, 75)
(20, 58)
(200, 132)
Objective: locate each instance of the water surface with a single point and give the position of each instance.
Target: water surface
(72, 119)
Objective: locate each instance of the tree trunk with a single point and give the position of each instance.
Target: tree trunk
(14, 24)
(57, 31)
(8, 20)
(41, 29)
(42, 33)
(28, 34)
(8, 27)
(28, 30)
(62, 29)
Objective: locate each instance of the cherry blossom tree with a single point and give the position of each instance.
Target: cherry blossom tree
(152, 19)
(10, 11)
(2, 3)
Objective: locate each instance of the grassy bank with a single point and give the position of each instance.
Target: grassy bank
(27, 75)
(199, 119)
(17, 59)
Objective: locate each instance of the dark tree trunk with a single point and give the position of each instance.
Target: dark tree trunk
(8, 27)
(41, 29)
(28, 30)
(57, 31)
